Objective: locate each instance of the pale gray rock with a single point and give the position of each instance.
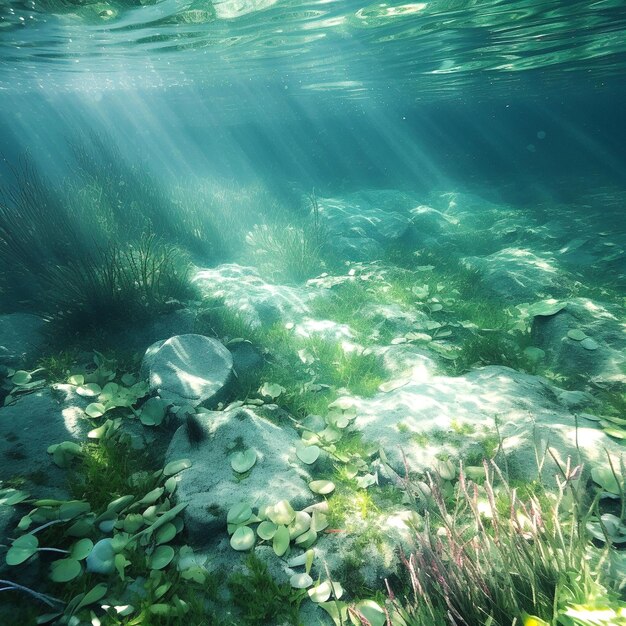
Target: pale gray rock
(518, 275)
(603, 322)
(260, 303)
(33, 423)
(422, 419)
(211, 487)
(21, 339)
(187, 369)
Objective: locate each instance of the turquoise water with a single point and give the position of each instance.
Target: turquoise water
(313, 279)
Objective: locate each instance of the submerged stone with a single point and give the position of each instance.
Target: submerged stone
(187, 369)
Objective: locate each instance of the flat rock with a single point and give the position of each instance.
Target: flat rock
(603, 323)
(260, 303)
(421, 419)
(187, 369)
(518, 275)
(210, 486)
(33, 423)
(21, 338)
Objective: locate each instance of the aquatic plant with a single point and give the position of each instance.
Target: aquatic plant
(287, 251)
(493, 556)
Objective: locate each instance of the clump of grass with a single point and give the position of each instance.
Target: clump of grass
(261, 600)
(478, 562)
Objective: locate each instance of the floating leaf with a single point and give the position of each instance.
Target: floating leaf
(323, 591)
(281, 513)
(319, 521)
(64, 570)
(300, 581)
(12, 496)
(95, 409)
(73, 508)
(22, 549)
(300, 524)
(166, 533)
(616, 433)
(153, 412)
(239, 513)
(93, 595)
(272, 390)
(281, 540)
(242, 539)
(241, 462)
(322, 487)
(101, 558)
(606, 479)
(21, 377)
(576, 334)
(128, 380)
(161, 557)
(90, 390)
(76, 379)
(545, 308)
(308, 454)
(371, 611)
(337, 610)
(81, 549)
(266, 530)
(306, 539)
(174, 467)
(589, 344)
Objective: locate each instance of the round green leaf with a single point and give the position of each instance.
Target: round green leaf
(173, 467)
(266, 530)
(371, 611)
(300, 524)
(606, 479)
(239, 513)
(93, 595)
(81, 549)
(21, 377)
(308, 454)
(166, 533)
(271, 390)
(76, 379)
(281, 513)
(322, 487)
(65, 570)
(300, 581)
(306, 539)
(241, 462)
(576, 334)
(322, 592)
(161, 557)
(242, 539)
(73, 508)
(89, 390)
(22, 548)
(589, 344)
(153, 412)
(281, 540)
(95, 409)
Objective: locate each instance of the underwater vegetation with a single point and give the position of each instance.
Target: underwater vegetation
(324, 429)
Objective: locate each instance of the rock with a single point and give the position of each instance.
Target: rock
(21, 339)
(33, 423)
(407, 359)
(518, 275)
(602, 323)
(258, 302)
(187, 369)
(210, 486)
(455, 416)
(360, 223)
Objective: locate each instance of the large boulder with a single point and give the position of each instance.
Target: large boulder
(210, 486)
(519, 275)
(422, 419)
(260, 303)
(30, 425)
(187, 369)
(586, 338)
(21, 338)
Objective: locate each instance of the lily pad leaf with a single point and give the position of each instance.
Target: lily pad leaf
(81, 549)
(242, 539)
(174, 467)
(239, 513)
(64, 570)
(76, 379)
(95, 409)
(89, 390)
(308, 454)
(300, 581)
(371, 611)
(161, 557)
(589, 344)
(337, 610)
(241, 462)
(266, 530)
(153, 412)
(281, 513)
(166, 533)
(272, 390)
(576, 334)
(21, 377)
(606, 479)
(93, 595)
(322, 487)
(281, 540)
(22, 549)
